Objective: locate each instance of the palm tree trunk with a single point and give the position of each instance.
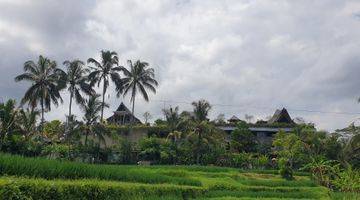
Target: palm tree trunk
(132, 111)
(103, 103)
(42, 114)
(86, 135)
(71, 97)
(198, 150)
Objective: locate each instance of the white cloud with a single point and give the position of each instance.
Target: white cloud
(257, 55)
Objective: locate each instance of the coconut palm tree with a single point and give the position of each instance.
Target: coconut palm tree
(138, 79)
(172, 118)
(77, 81)
(201, 109)
(47, 81)
(91, 109)
(8, 117)
(105, 70)
(27, 121)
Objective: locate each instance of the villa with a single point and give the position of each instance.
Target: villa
(264, 130)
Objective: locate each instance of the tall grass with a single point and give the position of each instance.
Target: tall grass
(22, 188)
(52, 169)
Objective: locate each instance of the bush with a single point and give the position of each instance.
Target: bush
(243, 160)
(56, 151)
(348, 180)
(285, 169)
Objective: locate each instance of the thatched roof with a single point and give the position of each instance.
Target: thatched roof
(123, 116)
(234, 119)
(281, 116)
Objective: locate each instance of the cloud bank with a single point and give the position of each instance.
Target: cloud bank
(253, 55)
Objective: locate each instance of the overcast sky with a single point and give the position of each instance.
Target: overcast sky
(252, 56)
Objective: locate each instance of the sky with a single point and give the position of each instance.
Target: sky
(243, 56)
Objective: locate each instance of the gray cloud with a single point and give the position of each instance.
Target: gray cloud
(255, 55)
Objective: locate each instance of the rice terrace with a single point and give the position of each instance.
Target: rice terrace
(40, 179)
(179, 99)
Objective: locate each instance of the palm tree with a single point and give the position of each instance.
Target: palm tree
(201, 109)
(201, 128)
(172, 118)
(47, 81)
(91, 109)
(104, 70)
(76, 78)
(8, 115)
(27, 120)
(138, 79)
(204, 134)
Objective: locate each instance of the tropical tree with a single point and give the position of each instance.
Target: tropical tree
(77, 81)
(147, 116)
(203, 135)
(242, 139)
(47, 81)
(91, 110)
(8, 115)
(139, 78)
(172, 118)
(104, 71)
(201, 109)
(27, 121)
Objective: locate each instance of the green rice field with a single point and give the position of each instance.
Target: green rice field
(37, 178)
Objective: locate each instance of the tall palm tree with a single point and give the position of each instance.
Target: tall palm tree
(77, 81)
(91, 110)
(47, 81)
(103, 71)
(201, 127)
(27, 119)
(201, 109)
(138, 79)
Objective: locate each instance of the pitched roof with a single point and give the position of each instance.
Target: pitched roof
(123, 111)
(281, 116)
(233, 119)
(122, 107)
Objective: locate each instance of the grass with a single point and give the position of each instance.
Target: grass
(52, 169)
(38, 178)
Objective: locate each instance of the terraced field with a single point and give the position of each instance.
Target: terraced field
(48, 179)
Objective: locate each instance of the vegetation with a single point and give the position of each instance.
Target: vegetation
(143, 182)
(137, 80)
(47, 81)
(66, 154)
(104, 70)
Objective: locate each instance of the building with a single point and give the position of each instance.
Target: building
(265, 130)
(123, 116)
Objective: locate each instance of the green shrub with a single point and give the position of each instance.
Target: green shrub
(56, 151)
(285, 169)
(348, 180)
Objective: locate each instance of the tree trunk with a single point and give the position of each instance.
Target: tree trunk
(103, 103)
(71, 97)
(86, 135)
(198, 150)
(132, 111)
(42, 115)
